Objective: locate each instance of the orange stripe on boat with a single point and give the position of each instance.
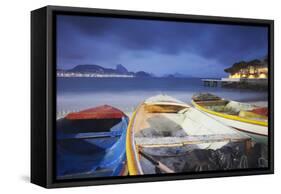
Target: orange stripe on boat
(100, 112)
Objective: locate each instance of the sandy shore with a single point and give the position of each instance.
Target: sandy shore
(130, 113)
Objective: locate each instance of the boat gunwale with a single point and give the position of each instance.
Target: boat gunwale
(130, 151)
(166, 104)
(227, 116)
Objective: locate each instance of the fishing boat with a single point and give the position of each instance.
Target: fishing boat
(247, 118)
(163, 131)
(91, 143)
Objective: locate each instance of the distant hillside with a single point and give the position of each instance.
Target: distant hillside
(121, 69)
(142, 74)
(99, 70)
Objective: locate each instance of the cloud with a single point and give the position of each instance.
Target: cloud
(109, 41)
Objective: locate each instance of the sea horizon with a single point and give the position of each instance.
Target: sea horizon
(74, 94)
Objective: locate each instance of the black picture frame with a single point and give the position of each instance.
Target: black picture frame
(43, 95)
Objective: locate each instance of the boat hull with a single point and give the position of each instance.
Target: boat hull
(258, 131)
(93, 150)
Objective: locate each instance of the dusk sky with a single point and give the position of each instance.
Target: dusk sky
(158, 47)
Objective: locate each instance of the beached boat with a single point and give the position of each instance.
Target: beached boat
(166, 135)
(248, 118)
(91, 143)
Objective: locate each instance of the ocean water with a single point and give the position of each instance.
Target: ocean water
(75, 94)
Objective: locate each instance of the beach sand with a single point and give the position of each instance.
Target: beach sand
(130, 113)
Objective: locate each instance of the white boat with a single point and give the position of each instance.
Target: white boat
(247, 118)
(165, 126)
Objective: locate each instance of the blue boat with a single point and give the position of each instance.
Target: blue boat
(91, 143)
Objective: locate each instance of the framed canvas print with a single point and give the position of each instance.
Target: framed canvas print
(125, 96)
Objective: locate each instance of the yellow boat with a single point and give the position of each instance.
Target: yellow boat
(247, 118)
(163, 131)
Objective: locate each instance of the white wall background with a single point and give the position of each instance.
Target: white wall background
(15, 95)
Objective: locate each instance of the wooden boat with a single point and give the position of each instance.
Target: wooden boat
(247, 118)
(163, 127)
(91, 143)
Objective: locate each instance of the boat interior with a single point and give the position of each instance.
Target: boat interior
(86, 125)
(86, 147)
(164, 146)
(244, 110)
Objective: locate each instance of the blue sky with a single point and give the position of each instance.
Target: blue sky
(158, 47)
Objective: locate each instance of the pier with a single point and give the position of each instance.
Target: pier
(260, 84)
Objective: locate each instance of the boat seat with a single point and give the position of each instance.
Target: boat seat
(162, 125)
(186, 140)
